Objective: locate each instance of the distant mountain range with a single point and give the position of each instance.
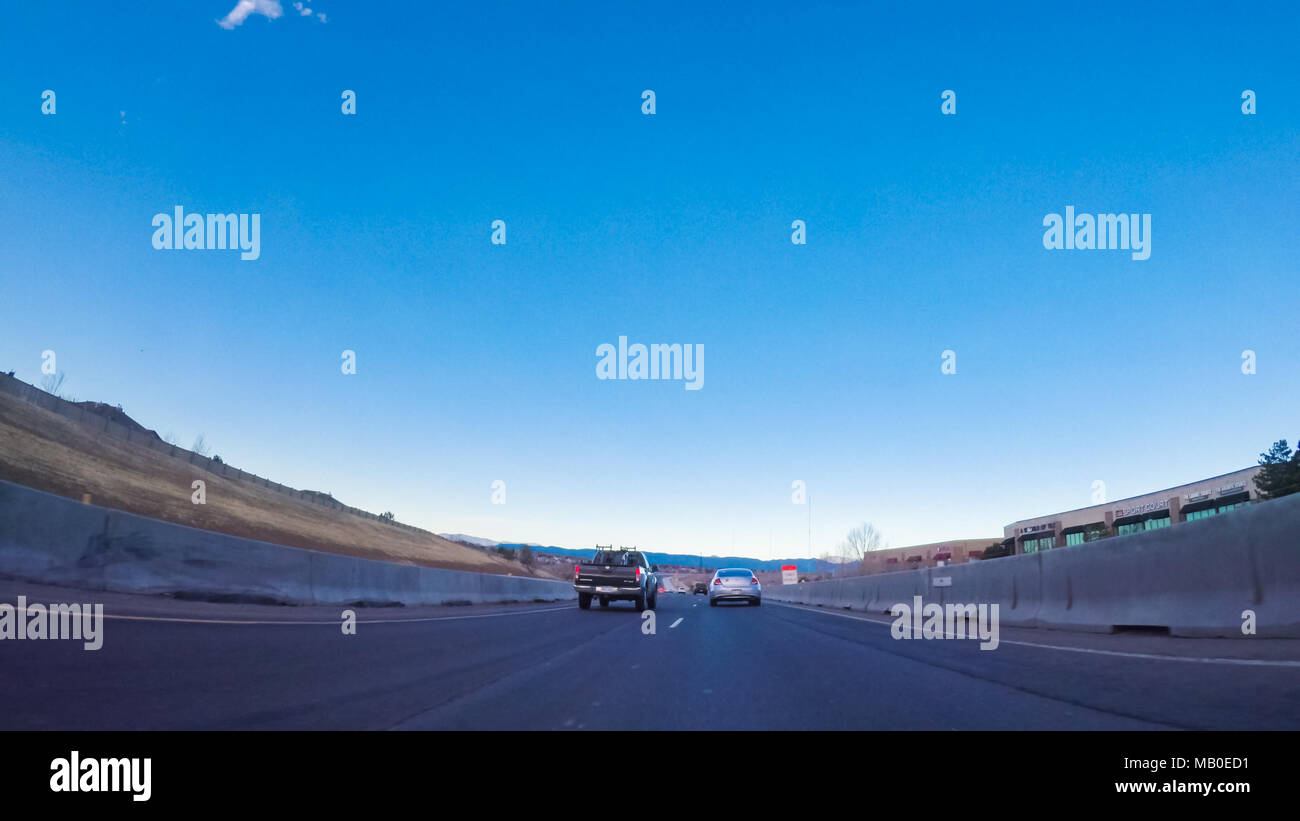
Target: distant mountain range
(474, 540)
(688, 560)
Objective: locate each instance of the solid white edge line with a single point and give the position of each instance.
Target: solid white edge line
(1089, 650)
(335, 622)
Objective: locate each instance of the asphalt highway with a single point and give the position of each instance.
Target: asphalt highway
(168, 664)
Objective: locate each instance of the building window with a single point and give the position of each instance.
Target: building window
(1226, 508)
(1201, 514)
(1124, 530)
(1073, 538)
(1035, 545)
(1156, 524)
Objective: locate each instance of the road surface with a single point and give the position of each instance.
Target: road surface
(169, 664)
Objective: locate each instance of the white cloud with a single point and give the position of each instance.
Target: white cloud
(303, 11)
(322, 18)
(237, 15)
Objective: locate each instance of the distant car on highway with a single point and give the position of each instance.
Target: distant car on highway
(701, 587)
(616, 575)
(735, 584)
(681, 588)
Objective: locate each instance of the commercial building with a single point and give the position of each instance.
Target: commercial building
(1152, 511)
(954, 551)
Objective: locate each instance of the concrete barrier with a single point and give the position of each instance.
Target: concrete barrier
(52, 540)
(1193, 579)
(889, 589)
(1013, 583)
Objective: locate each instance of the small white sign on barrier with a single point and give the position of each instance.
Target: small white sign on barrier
(789, 574)
(943, 581)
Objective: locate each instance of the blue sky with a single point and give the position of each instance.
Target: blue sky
(476, 362)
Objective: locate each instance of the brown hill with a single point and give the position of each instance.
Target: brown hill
(54, 452)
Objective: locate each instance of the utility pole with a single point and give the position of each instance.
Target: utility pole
(810, 524)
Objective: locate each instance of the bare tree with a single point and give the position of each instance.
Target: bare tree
(53, 383)
(857, 543)
(200, 446)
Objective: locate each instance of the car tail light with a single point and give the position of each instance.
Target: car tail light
(753, 579)
(717, 581)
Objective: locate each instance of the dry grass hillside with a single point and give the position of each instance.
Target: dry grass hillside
(46, 451)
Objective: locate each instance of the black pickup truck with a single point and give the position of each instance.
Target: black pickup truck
(616, 575)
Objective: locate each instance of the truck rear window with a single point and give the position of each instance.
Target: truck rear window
(619, 559)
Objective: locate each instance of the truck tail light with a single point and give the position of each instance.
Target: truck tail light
(638, 575)
(576, 567)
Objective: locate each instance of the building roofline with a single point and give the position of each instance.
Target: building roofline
(1105, 505)
(942, 543)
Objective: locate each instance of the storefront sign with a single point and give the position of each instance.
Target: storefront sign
(1140, 509)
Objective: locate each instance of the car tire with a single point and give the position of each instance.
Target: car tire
(713, 602)
(756, 602)
(604, 601)
(584, 601)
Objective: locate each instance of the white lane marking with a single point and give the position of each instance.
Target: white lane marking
(674, 624)
(1088, 650)
(334, 622)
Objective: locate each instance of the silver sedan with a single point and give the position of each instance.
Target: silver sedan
(735, 584)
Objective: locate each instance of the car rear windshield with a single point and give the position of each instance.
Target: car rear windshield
(732, 574)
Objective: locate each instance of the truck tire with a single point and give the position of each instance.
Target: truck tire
(584, 601)
(640, 602)
(654, 601)
(604, 601)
